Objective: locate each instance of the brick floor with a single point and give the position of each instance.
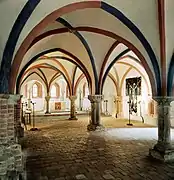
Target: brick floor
(64, 150)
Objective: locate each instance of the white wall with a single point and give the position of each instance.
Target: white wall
(85, 103)
(109, 93)
(9, 11)
(169, 29)
(144, 98)
(40, 103)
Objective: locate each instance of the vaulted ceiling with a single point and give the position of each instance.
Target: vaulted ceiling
(91, 35)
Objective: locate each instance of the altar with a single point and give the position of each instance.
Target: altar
(57, 106)
(60, 106)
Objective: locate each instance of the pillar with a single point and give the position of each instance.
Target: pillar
(47, 98)
(72, 108)
(118, 104)
(163, 149)
(11, 163)
(29, 98)
(19, 130)
(95, 123)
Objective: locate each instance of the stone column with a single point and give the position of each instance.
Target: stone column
(73, 108)
(118, 104)
(29, 98)
(95, 112)
(11, 163)
(163, 149)
(47, 98)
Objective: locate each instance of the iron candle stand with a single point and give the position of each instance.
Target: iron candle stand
(129, 124)
(33, 128)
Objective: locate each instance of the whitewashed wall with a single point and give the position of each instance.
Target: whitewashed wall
(109, 93)
(144, 98)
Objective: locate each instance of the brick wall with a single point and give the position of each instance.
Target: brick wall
(10, 151)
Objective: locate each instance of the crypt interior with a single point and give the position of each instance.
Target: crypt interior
(86, 90)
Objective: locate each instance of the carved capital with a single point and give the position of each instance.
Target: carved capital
(72, 98)
(47, 98)
(4, 96)
(95, 98)
(118, 99)
(13, 99)
(163, 100)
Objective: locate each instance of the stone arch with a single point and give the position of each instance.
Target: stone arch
(66, 9)
(76, 62)
(170, 77)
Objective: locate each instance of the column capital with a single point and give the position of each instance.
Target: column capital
(163, 100)
(95, 98)
(118, 98)
(4, 96)
(11, 98)
(73, 97)
(14, 98)
(47, 98)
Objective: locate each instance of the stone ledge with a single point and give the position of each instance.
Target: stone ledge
(166, 156)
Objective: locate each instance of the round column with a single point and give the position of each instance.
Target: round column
(47, 98)
(118, 106)
(164, 124)
(163, 149)
(73, 108)
(95, 122)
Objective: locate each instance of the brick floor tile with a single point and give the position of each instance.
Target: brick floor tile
(108, 176)
(63, 149)
(80, 176)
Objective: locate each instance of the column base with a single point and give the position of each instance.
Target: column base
(106, 114)
(34, 129)
(162, 153)
(94, 127)
(73, 118)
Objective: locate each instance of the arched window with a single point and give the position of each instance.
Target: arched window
(35, 90)
(55, 91)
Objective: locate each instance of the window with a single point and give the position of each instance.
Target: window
(53, 91)
(35, 90)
